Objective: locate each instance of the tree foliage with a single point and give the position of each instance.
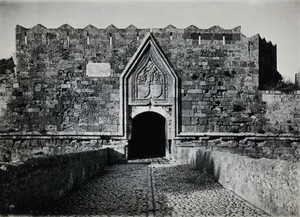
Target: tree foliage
(7, 65)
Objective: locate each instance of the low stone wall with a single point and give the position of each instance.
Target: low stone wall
(272, 185)
(282, 111)
(271, 147)
(269, 184)
(21, 148)
(38, 182)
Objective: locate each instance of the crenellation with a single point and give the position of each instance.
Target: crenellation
(191, 32)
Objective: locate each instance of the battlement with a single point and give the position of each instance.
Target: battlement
(67, 32)
(112, 28)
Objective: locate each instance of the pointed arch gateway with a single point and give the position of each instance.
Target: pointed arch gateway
(149, 84)
(148, 137)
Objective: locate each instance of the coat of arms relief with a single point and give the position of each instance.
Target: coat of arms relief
(150, 82)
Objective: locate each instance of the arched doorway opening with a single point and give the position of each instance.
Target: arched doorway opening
(148, 138)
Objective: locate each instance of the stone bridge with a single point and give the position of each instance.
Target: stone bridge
(153, 188)
(206, 183)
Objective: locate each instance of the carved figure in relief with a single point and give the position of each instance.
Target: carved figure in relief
(149, 82)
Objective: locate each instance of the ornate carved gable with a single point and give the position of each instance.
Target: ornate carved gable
(148, 77)
(149, 82)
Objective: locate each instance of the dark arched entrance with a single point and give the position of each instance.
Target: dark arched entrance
(148, 136)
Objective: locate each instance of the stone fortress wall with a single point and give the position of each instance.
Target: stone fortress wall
(282, 111)
(52, 93)
(221, 75)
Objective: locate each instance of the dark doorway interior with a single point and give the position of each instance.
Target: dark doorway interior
(148, 136)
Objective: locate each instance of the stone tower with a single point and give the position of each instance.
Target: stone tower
(297, 77)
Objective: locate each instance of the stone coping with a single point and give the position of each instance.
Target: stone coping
(15, 170)
(278, 92)
(192, 136)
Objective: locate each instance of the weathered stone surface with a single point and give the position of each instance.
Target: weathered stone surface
(153, 188)
(270, 184)
(282, 112)
(22, 149)
(41, 181)
(51, 79)
(255, 147)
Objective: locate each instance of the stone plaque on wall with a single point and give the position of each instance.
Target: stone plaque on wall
(98, 70)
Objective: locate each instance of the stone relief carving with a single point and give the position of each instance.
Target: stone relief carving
(150, 82)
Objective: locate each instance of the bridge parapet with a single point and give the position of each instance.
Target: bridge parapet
(38, 182)
(262, 170)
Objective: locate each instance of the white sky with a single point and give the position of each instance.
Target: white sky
(276, 20)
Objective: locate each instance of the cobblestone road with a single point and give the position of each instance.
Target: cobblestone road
(155, 188)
